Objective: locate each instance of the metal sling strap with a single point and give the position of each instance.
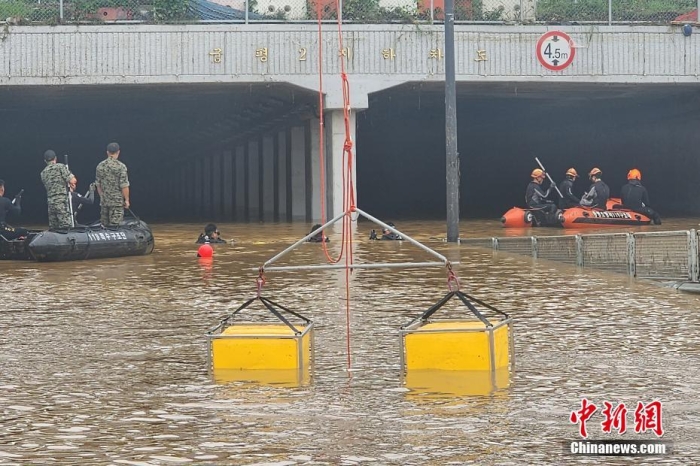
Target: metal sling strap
(270, 305)
(465, 299)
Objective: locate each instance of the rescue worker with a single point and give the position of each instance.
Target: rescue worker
(635, 196)
(597, 195)
(535, 197)
(386, 234)
(210, 235)
(566, 188)
(113, 187)
(78, 199)
(10, 207)
(56, 178)
(318, 237)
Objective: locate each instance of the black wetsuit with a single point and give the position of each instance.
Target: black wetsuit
(535, 198)
(385, 236)
(597, 196)
(569, 200)
(635, 197)
(318, 238)
(9, 232)
(207, 239)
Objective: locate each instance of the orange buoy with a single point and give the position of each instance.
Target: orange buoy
(205, 250)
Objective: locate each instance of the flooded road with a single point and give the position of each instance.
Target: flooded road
(104, 362)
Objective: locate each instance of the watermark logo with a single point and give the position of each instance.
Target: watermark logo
(648, 417)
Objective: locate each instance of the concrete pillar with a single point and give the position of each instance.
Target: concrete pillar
(197, 208)
(207, 210)
(335, 141)
(298, 175)
(315, 170)
(288, 173)
(253, 180)
(216, 186)
(268, 157)
(281, 179)
(240, 183)
(227, 189)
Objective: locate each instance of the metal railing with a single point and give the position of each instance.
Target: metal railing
(672, 255)
(350, 11)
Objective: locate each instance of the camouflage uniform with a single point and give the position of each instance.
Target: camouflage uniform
(55, 178)
(111, 177)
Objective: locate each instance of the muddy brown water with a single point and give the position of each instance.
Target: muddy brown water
(104, 362)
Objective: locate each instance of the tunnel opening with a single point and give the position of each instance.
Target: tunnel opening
(502, 127)
(160, 128)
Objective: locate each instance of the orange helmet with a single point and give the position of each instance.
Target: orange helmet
(634, 174)
(572, 172)
(595, 171)
(537, 173)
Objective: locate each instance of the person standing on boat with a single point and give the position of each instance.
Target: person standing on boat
(566, 188)
(535, 197)
(10, 207)
(597, 195)
(78, 199)
(56, 178)
(635, 196)
(113, 187)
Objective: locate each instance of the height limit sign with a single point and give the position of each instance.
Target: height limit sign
(555, 50)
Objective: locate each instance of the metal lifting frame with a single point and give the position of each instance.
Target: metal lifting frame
(443, 260)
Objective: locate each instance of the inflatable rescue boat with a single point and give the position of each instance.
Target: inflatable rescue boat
(575, 217)
(133, 237)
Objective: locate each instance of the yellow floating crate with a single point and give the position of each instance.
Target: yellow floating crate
(287, 378)
(260, 346)
(248, 346)
(457, 345)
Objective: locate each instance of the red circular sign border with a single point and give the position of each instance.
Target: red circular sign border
(541, 59)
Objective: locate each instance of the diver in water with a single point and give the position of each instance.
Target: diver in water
(318, 237)
(386, 234)
(210, 235)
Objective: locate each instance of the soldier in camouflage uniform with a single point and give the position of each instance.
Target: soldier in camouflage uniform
(56, 177)
(113, 187)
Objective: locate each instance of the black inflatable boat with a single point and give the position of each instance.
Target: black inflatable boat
(132, 238)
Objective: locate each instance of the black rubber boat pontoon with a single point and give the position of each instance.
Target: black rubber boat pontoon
(132, 238)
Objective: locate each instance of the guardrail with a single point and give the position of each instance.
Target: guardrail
(355, 11)
(672, 255)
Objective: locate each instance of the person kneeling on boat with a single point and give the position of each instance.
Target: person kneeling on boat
(7, 206)
(386, 234)
(566, 188)
(78, 199)
(636, 198)
(535, 197)
(210, 235)
(597, 195)
(318, 237)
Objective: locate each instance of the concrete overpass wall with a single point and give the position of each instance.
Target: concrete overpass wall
(377, 56)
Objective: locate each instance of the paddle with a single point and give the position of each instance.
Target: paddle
(550, 178)
(70, 197)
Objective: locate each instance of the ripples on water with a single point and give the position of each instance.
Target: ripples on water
(103, 362)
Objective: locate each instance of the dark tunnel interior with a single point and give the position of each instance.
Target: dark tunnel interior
(503, 127)
(400, 139)
(157, 126)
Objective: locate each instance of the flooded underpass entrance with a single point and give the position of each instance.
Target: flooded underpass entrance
(502, 127)
(176, 141)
